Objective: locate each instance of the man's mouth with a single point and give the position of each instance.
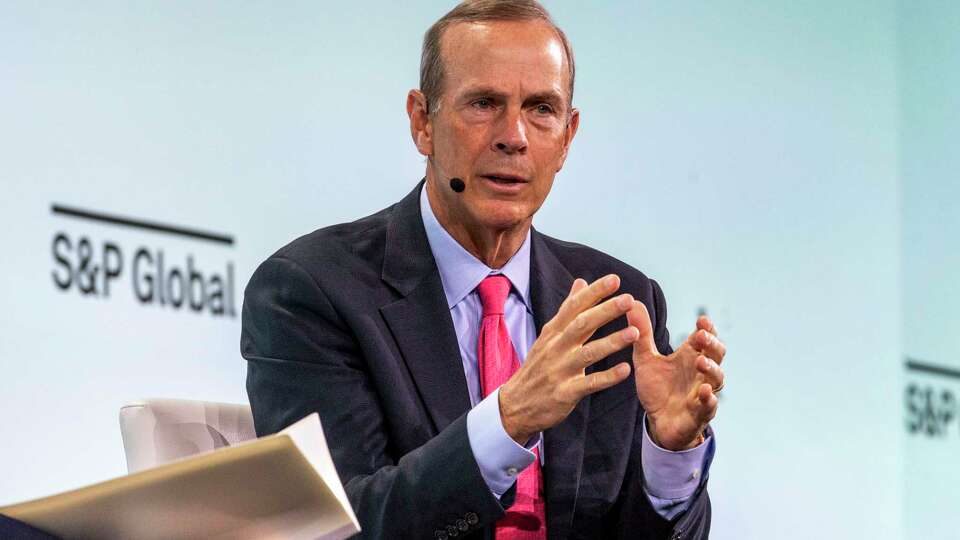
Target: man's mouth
(505, 179)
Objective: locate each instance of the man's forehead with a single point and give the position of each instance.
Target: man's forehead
(531, 49)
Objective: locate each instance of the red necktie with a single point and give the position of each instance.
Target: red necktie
(526, 519)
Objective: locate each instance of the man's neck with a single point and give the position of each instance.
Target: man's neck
(493, 247)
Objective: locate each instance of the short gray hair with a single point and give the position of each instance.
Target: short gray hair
(431, 60)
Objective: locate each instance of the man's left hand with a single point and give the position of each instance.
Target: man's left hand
(678, 391)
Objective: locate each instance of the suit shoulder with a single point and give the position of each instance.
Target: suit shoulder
(590, 264)
(351, 246)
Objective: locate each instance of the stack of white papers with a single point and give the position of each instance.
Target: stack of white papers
(280, 486)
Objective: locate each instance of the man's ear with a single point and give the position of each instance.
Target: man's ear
(421, 128)
(568, 135)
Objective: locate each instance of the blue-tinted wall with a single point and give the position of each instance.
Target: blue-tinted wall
(930, 191)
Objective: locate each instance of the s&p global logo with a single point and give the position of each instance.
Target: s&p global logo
(930, 400)
(98, 266)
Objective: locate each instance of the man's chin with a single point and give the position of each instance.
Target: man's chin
(502, 216)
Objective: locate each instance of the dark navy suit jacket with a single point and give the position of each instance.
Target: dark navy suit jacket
(351, 321)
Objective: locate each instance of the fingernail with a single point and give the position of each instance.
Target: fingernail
(630, 334)
(611, 281)
(624, 301)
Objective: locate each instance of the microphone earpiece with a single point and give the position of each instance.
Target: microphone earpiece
(457, 185)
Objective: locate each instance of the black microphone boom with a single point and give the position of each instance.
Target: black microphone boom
(457, 185)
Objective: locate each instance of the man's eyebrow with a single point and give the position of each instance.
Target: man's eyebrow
(482, 91)
(547, 96)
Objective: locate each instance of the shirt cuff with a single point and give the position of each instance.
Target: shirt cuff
(500, 458)
(675, 475)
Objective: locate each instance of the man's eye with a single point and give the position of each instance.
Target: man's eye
(543, 108)
(482, 103)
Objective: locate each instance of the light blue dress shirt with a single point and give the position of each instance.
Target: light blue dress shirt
(670, 478)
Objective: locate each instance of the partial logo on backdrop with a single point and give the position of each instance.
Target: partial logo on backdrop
(157, 276)
(930, 400)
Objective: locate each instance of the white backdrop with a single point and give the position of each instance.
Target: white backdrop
(744, 153)
(930, 165)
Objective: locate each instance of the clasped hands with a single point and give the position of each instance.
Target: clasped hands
(676, 391)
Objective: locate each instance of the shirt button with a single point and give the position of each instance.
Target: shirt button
(440, 535)
(462, 525)
(472, 518)
(512, 471)
(696, 474)
(453, 531)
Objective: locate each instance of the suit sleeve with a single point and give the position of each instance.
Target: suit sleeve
(301, 357)
(633, 511)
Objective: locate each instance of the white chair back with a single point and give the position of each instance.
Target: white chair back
(157, 431)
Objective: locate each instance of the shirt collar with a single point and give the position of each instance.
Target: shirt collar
(460, 271)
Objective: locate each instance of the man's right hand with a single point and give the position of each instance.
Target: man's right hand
(552, 379)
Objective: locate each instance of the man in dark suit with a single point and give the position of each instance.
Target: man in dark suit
(446, 344)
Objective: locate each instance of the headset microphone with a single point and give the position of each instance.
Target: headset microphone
(457, 185)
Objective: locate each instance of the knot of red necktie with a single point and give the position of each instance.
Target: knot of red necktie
(493, 291)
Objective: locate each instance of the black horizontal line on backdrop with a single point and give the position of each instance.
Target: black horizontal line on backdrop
(916, 365)
(141, 224)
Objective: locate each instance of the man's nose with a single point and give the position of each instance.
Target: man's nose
(511, 138)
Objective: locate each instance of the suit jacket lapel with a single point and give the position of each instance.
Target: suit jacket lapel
(420, 320)
(421, 324)
(563, 444)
